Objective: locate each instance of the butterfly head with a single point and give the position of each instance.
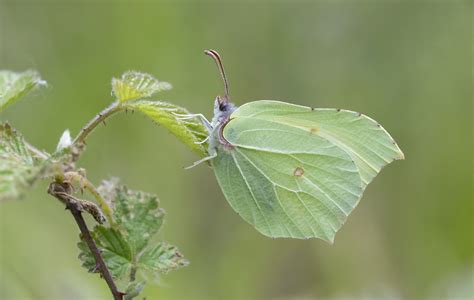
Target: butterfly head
(222, 110)
(223, 105)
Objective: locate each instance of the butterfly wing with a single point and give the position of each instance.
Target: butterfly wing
(286, 177)
(366, 141)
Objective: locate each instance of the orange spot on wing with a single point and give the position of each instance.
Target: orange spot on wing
(313, 130)
(298, 172)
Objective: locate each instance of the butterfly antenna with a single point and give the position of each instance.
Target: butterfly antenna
(217, 59)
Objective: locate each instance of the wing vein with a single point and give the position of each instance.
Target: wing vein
(251, 192)
(363, 146)
(315, 219)
(328, 136)
(332, 200)
(276, 194)
(324, 170)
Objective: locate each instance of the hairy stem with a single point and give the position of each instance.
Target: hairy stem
(36, 151)
(106, 209)
(99, 118)
(62, 192)
(86, 184)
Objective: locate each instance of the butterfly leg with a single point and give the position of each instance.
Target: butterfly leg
(201, 161)
(204, 120)
(203, 141)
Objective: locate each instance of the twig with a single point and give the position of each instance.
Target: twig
(62, 192)
(99, 118)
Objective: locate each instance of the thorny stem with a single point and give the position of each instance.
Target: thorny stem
(99, 118)
(61, 192)
(86, 184)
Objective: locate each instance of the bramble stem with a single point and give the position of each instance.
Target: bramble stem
(86, 184)
(61, 192)
(106, 209)
(99, 118)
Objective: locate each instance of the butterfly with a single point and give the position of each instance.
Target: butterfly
(290, 170)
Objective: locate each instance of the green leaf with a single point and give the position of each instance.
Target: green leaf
(129, 247)
(162, 258)
(14, 85)
(19, 169)
(134, 85)
(189, 131)
(139, 216)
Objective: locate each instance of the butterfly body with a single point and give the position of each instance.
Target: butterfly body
(222, 112)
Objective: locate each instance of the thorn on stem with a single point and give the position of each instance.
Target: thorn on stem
(95, 269)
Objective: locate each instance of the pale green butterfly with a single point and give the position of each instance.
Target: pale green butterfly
(290, 170)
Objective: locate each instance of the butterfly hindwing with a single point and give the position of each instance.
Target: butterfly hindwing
(285, 182)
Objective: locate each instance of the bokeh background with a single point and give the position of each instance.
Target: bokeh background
(408, 64)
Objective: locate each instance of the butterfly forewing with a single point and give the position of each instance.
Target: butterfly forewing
(369, 145)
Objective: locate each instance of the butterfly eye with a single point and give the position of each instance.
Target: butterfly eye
(222, 104)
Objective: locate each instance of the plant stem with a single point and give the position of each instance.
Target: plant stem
(61, 192)
(96, 252)
(106, 209)
(133, 273)
(36, 151)
(100, 117)
(85, 183)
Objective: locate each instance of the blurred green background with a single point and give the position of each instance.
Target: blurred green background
(408, 64)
